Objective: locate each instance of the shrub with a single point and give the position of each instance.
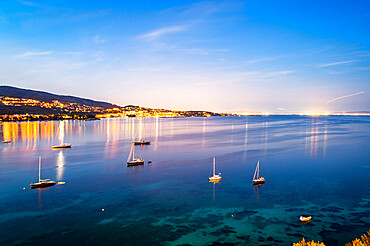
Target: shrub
(365, 240)
(304, 243)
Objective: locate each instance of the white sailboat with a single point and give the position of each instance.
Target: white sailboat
(42, 182)
(134, 161)
(256, 178)
(61, 145)
(215, 178)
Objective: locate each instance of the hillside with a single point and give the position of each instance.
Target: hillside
(10, 91)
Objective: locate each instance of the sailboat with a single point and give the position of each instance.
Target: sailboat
(215, 178)
(134, 161)
(256, 178)
(141, 141)
(42, 182)
(61, 139)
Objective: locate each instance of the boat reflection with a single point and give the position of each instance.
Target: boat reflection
(214, 188)
(256, 188)
(60, 166)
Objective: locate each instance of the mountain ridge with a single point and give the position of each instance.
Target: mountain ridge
(16, 92)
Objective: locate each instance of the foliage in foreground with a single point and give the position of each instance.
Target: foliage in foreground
(364, 241)
(304, 243)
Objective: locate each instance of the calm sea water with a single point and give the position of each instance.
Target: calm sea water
(313, 165)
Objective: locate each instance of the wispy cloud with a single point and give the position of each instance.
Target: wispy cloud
(30, 53)
(337, 63)
(161, 32)
(351, 95)
(28, 3)
(98, 39)
(74, 53)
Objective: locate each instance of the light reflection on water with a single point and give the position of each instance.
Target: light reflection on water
(309, 164)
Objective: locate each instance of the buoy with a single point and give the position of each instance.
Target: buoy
(24, 188)
(232, 215)
(102, 209)
(149, 161)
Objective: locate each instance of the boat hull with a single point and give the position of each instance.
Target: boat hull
(142, 143)
(135, 163)
(259, 180)
(215, 178)
(305, 219)
(255, 182)
(66, 146)
(42, 184)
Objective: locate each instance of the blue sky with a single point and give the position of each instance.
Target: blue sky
(275, 56)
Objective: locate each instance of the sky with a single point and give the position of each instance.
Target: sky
(222, 56)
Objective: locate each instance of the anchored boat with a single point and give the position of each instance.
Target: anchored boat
(134, 161)
(62, 146)
(42, 182)
(305, 218)
(142, 142)
(215, 177)
(61, 139)
(256, 178)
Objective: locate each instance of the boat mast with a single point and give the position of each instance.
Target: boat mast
(39, 169)
(214, 166)
(258, 167)
(133, 151)
(129, 156)
(61, 132)
(254, 176)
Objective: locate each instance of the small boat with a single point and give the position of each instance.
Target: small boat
(215, 178)
(7, 141)
(256, 178)
(134, 161)
(62, 146)
(61, 183)
(142, 142)
(42, 182)
(305, 218)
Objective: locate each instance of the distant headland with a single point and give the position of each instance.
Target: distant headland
(17, 104)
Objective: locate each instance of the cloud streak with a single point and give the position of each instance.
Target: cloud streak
(337, 63)
(161, 32)
(29, 53)
(351, 95)
(99, 40)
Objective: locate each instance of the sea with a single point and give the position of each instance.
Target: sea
(318, 166)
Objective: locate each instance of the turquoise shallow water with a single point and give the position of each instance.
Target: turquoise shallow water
(313, 165)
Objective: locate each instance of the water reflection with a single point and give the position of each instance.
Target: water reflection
(60, 165)
(214, 189)
(256, 188)
(316, 137)
(204, 133)
(28, 133)
(265, 127)
(245, 139)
